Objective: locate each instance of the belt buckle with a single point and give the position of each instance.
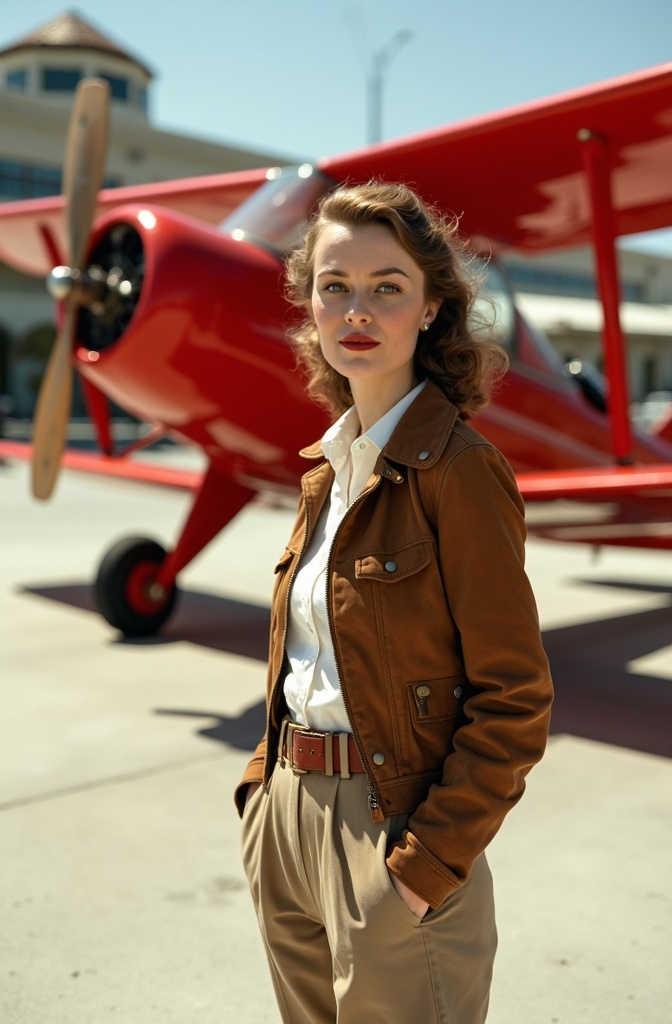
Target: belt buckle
(292, 729)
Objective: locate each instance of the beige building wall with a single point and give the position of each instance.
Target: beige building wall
(33, 130)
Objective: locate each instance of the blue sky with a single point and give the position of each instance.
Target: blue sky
(290, 78)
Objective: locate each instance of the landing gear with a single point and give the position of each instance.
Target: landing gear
(125, 591)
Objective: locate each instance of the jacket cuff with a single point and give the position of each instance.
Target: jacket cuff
(426, 876)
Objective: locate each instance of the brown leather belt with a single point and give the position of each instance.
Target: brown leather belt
(306, 750)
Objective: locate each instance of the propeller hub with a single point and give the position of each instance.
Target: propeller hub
(86, 287)
(61, 281)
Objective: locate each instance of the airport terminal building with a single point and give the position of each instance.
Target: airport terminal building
(38, 75)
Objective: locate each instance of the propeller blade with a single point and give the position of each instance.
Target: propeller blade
(53, 410)
(83, 173)
(84, 166)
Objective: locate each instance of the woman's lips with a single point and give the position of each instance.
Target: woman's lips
(358, 342)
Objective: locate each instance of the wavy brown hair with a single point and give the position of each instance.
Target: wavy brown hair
(454, 352)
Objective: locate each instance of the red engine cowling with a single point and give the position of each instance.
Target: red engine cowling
(197, 342)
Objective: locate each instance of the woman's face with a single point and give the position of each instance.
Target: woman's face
(368, 302)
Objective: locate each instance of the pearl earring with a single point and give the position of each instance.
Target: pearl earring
(425, 326)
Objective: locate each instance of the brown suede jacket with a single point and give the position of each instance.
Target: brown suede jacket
(427, 590)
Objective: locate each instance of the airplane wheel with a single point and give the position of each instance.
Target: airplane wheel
(123, 583)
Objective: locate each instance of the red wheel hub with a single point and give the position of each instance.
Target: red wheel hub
(138, 586)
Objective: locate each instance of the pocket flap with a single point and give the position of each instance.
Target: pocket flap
(284, 561)
(390, 566)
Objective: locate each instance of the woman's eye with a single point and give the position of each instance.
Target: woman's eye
(334, 286)
(388, 289)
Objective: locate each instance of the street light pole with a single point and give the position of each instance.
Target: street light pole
(379, 64)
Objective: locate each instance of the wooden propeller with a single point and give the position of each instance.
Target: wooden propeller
(83, 172)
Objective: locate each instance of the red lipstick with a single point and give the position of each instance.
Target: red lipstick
(358, 342)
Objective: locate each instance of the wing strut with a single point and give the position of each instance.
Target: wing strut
(596, 163)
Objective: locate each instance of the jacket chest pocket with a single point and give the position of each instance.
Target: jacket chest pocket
(391, 567)
(403, 589)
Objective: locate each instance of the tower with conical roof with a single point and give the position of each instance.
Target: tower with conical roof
(50, 61)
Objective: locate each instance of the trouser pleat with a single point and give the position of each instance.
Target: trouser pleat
(342, 945)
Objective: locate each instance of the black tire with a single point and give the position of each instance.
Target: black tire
(120, 598)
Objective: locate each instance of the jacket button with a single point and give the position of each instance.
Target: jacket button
(379, 758)
(391, 566)
(457, 692)
(423, 455)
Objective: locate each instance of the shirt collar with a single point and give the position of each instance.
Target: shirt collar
(338, 439)
(425, 427)
(341, 435)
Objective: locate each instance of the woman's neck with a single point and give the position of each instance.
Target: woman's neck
(376, 396)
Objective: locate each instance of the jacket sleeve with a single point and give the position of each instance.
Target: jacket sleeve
(481, 535)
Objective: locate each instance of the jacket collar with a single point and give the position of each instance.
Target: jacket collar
(421, 434)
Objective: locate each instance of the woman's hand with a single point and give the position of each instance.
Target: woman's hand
(251, 790)
(414, 903)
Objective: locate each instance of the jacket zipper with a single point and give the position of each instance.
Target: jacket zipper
(373, 798)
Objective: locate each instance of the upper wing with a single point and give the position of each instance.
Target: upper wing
(517, 175)
(32, 232)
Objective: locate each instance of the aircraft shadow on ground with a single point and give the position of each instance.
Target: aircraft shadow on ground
(221, 623)
(597, 696)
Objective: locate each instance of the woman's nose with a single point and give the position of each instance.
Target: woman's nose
(358, 315)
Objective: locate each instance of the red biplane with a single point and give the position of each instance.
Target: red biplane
(170, 303)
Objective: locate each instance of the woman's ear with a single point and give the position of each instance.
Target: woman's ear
(431, 309)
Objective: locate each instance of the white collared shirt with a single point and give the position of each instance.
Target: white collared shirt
(312, 687)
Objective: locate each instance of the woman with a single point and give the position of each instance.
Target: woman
(408, 690)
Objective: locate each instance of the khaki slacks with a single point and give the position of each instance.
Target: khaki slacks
(341, 943)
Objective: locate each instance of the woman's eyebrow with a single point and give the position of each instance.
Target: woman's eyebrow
(374, 273)
(389, 270)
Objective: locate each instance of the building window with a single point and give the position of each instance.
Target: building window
(550, 280)
(142, 98)
(649, 375)
(60, 79)
(118, 86)
(27, 181)
(17, 79)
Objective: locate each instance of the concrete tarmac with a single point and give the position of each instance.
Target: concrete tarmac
(122, 897)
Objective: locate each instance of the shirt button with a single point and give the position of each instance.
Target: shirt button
(423, 455)
(391, 566)
(457, 692)
(362, 444)
(379, 758)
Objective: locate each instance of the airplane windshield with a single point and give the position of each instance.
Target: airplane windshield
(276, 215)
